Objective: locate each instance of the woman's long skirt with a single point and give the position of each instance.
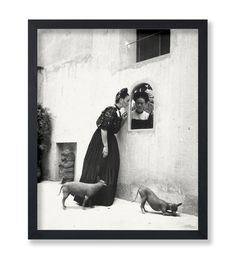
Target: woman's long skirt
(96, 167)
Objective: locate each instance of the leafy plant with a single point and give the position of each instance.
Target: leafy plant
(44, 133)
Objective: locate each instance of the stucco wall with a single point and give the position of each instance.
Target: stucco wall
(165, 159)
(83, 70)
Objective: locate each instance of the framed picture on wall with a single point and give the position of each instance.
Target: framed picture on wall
(117, 129)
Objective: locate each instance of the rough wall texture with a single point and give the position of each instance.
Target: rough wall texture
(83, 70)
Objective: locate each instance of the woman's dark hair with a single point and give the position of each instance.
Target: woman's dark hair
(122, 94)
(141, 94)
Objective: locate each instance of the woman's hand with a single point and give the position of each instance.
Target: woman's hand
(105, 151)
(124, 115)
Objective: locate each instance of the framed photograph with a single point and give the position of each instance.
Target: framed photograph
(117, 129)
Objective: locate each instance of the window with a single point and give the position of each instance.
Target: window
(152, 43)
(142, 107)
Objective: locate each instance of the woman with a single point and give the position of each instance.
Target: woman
(102, 158)
(140, 118)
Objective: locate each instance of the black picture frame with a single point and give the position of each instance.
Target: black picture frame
(33, 232)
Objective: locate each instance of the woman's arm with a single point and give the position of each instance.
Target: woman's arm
(105, 143)
(124, 118)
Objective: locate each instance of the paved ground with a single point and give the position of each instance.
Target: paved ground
(122, 215)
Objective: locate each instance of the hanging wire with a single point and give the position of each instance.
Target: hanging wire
(142, 38)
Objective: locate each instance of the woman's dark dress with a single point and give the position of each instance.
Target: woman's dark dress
(106, 168)
(142, 124)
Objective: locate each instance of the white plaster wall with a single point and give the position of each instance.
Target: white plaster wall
(165, 159)
(83, 71)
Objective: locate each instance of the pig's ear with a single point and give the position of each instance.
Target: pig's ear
(179, 204)
(98, 178)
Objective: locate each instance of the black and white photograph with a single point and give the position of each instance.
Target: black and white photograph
(118, 129)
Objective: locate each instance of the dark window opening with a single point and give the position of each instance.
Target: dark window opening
(152, 43)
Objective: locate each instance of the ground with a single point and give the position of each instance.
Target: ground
(122, 215)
